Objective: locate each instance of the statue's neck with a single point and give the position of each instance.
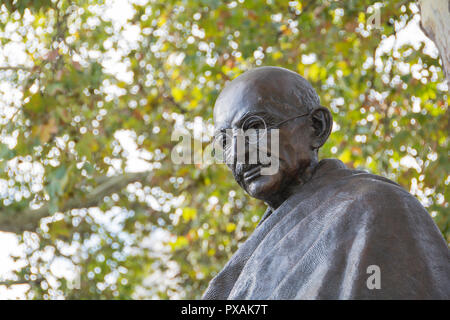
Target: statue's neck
(277, 199)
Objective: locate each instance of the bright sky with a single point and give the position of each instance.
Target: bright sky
(120, 11)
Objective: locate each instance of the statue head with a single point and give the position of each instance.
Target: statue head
(272, 97)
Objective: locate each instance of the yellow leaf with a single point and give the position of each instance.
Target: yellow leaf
(177, 94)
(230, 227)
(162, 20)
(180, 242)
(344, 67)
(189, 213)
(277, 55)
(345, 156)
(313, 72)
(362, 17)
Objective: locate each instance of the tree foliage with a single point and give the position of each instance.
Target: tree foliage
(68, 188)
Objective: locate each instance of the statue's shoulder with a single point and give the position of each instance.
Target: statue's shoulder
(381, 196)
(362, 187)
(385, 203)
(334, 171)
(366, 183)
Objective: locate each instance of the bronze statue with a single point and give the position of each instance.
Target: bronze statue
(328, 232)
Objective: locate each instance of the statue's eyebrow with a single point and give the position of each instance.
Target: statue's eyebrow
(241, 120)
(263, 114)
(237, 124)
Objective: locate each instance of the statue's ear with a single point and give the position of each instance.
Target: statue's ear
(322, 122)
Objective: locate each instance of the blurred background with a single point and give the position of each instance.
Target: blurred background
(92, 205)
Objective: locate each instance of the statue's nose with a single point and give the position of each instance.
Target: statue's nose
(231, 155)
(236, 152)
(244, 149)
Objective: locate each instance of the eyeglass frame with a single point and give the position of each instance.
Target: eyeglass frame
(275, 126)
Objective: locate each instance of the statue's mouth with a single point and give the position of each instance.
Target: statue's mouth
(242, 171)
(245, 173)
(251, 173)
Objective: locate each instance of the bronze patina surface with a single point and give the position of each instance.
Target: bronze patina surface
(327, 228)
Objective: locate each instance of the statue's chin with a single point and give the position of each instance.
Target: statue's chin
(263, 187)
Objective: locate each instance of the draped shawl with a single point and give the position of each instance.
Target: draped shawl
(324, 240)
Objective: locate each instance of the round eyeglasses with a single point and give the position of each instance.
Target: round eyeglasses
(253, 129)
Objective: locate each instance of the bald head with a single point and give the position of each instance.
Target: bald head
(282, 89)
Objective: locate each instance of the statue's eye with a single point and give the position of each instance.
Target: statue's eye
(256, 125)
(254, 122)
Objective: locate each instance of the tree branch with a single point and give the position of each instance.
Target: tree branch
(22, 281)
(16, 68)
(29, 220)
